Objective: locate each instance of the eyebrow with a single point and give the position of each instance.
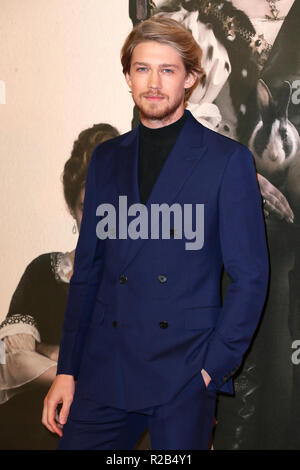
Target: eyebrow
(161, 65)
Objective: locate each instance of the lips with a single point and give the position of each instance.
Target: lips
(154, 97)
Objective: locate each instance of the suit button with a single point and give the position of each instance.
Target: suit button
(115, 323)
(162, 278)
(163, 324)
(123, 279)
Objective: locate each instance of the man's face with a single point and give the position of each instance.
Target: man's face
(158, 80)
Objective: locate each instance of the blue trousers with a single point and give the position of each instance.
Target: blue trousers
(186, 422)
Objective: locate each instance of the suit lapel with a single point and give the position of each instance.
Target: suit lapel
(188, 150)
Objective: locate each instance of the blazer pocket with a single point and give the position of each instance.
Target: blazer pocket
(201, 317)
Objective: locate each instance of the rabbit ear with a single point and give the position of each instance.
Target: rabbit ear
(283, 100)
(264, 98)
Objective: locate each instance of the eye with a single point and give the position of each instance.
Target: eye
(168, 71)
(141, 69)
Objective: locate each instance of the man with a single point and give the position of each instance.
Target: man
(144, 337)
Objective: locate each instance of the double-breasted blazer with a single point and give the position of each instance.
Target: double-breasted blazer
(144, 315)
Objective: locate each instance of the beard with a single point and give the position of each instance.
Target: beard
(157, 111)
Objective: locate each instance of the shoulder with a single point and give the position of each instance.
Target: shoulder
(225, 152)
(105, 150)
(224, 143)
(41, 265)
(38, 263)
(111, 144)
(35, 277)
(220, 147)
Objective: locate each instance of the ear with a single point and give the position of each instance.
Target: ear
(190, 80)
(128, 79)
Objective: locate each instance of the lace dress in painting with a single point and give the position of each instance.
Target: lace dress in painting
(35, 315)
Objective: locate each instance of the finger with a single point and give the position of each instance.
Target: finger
(282, 203)
(57, 420)
(44, 414)
(64, 412)
(275, 209)
(51, 417)
(45, 417)
(276, 206)
(287, 211)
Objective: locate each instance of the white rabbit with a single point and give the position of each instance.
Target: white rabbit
(274, 140)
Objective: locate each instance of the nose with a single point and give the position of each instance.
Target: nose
(154, 80)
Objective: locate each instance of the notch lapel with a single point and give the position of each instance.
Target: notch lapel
(188, 150)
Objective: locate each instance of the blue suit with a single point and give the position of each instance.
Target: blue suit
(144, 316)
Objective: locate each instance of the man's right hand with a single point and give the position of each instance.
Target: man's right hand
(61, 391)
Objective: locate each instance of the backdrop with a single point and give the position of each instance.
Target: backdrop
(61, 75)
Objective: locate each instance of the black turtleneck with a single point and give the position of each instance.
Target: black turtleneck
(154, 148)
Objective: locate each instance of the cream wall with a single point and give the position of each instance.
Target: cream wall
(60, 68)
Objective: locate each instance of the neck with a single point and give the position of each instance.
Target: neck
(155, 123)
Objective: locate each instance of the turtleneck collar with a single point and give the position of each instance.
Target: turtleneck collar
(164, 133)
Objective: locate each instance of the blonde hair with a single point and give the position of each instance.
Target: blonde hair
(165, 30)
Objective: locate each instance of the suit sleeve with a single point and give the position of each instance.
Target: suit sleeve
(246, 260)
(88, 264)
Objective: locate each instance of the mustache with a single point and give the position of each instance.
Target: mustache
(154, 94)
